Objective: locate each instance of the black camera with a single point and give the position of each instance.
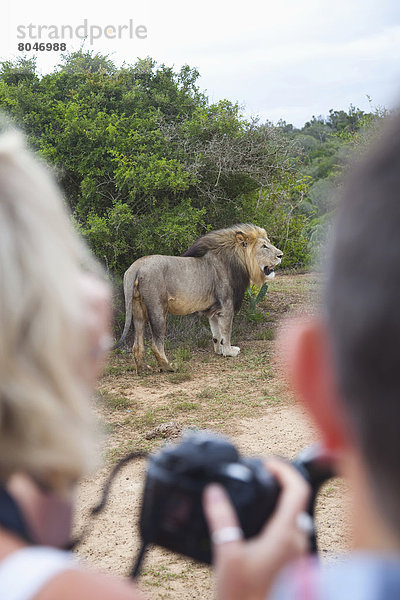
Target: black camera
(172, 514)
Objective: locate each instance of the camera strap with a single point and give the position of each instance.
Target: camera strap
(98, 508)
(114, 471)
(139, 559)
(11, 517)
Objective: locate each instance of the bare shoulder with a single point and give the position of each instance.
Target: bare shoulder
(85, 584)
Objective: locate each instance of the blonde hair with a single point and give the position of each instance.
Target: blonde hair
(46, 424)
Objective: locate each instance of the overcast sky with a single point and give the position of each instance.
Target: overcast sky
(281, 59)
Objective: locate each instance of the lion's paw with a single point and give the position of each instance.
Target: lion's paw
(167, 368)
(232, 351)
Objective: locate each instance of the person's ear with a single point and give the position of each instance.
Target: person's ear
(311, 371)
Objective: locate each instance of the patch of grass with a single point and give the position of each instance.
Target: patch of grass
(149, 380)
(251, 402)
(115, 369)
(113, 454)
(181, 394)
(150, 417)
(153, 416)
(186, 405)
(160, 576)
(207, 358)
(267, 334)
(272, 400)
(113, 401)
(252, 359)
(182, 354)
(179, 377)
(207, 393)
(256, 317)
(204, 341)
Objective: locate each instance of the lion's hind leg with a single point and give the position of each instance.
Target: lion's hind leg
(157, 319)
(139, 315)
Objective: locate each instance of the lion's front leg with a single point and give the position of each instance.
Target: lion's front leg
(216, 333)
(225, 319)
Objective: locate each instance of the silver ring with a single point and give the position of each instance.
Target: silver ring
(227, 534)
(305, 523)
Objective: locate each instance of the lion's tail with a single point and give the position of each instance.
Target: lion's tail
(129, 284)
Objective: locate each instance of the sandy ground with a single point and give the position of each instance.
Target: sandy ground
(280, 428)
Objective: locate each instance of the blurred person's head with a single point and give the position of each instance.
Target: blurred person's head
(347, 366)
(363, 313)
(46, 327)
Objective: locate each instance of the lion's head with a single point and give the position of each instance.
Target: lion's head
(260, 255)
(247, 243)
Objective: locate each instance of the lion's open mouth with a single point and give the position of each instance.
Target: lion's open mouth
(268, 270)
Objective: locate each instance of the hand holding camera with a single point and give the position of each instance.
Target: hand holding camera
(247, 568)
(172, 510)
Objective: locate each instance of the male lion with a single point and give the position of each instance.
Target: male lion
(211, 277)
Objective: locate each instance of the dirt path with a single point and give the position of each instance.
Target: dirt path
(244, 397)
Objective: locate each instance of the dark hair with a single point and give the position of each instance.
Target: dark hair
(363, 310)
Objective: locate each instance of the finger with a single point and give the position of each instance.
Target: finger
(281, 540)
(218, 508)
(220, 515)
(282, 529)
(295, 491)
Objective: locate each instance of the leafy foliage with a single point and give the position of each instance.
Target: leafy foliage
(256, 295)
(326, 145)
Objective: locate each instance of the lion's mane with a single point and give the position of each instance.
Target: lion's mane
(239, 259)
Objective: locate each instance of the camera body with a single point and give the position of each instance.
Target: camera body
(172, 513)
